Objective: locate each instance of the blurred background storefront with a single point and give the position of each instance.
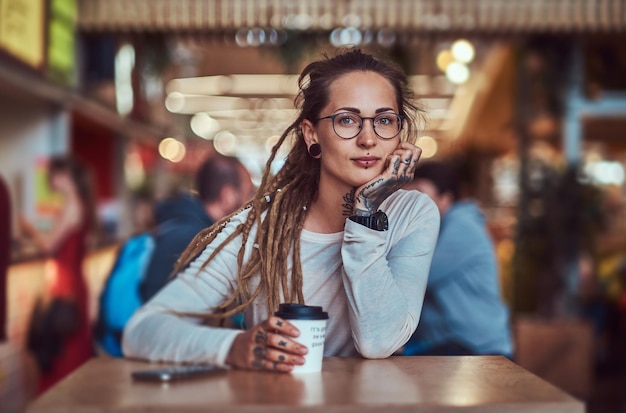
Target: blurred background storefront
(530, 95)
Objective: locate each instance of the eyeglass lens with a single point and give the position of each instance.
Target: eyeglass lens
(348, 125)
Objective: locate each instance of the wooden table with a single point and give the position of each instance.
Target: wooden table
(398, 384)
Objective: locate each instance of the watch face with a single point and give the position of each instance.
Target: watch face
(380, 221)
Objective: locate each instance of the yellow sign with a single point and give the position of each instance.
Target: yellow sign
(22, 30)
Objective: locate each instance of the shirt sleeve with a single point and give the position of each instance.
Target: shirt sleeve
(157, 331)
(385, 286)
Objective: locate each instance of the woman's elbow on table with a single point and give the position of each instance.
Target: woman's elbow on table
(374, 350)
(387, 343)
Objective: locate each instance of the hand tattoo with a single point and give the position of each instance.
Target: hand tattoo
(370, 204)
(260, 337)
(259, 353)
(396, 166)
(279, 323)
(282, 343)
(348, 204)
(281, 358)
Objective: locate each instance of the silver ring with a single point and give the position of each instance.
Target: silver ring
(407, 162)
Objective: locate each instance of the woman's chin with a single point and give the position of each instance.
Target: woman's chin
(365, 177)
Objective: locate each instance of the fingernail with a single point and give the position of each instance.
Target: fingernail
(299, 360)
(303, 350)
(295, 332)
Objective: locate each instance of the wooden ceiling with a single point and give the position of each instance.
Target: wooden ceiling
(491, 16)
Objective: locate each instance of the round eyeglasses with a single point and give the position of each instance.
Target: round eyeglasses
(347, 124)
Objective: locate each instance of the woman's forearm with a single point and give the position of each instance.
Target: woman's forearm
(386, 286)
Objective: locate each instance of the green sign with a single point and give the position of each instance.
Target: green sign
(62, 41)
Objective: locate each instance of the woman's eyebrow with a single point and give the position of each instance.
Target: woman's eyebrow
(348, 109)
(355, 110)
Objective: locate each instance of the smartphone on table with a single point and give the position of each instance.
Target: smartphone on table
(174, 373)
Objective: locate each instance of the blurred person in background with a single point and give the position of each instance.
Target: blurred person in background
(142, 204)
(223, 185)
(5, 253)
(119, 297)
(463, 313)
(60, 334)
(332, 228)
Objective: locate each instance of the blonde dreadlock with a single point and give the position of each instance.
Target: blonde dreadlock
(283, 197)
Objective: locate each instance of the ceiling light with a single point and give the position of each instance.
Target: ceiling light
(225, 143)
(203, 125)
(175, 102)
(457, 73)
(463, 51)
(172, 149)
(444, 58)
(345, 37)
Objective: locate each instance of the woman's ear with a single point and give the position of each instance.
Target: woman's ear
(308, 132)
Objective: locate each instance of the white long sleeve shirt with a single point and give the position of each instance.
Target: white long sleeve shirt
(371, 283)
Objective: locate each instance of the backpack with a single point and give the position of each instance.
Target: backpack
(120, 296)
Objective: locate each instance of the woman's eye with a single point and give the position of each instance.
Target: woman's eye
(384, 121)
(346, 120)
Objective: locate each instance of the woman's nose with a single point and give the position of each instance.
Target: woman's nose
(367, 136)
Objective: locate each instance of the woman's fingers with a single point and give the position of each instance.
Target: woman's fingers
(404, 159)
(267, 358)
(282, 343)
(278, 341)
(268, 346)
(281, 326)
(409, 154)
(271, 365)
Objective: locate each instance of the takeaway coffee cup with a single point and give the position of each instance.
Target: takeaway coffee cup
(311, 321)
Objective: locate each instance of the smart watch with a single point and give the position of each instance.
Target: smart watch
(377, 222)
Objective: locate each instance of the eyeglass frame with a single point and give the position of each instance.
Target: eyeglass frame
(332, 117)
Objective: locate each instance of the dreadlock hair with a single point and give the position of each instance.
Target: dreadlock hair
(279, 207)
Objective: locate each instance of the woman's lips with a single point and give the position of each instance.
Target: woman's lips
(366, 161)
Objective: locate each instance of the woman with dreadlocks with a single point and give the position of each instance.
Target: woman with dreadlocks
(331, 228)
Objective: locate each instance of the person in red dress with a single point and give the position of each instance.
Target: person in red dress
(65, 244)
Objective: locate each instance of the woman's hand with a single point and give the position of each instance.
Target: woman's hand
(399, 170)
(267, 346)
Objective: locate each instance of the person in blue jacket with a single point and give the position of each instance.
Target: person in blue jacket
(223, 184)
(463, 313)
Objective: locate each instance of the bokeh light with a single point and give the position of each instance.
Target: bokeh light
(444, 58)
(203, 125)
(463, 51)
(225, 143)
(172, 150)
(457, 73)
(175, 102)
(428, 145)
